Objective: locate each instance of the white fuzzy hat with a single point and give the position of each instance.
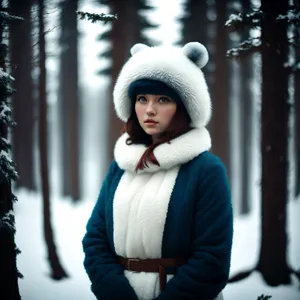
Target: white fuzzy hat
(179, 68)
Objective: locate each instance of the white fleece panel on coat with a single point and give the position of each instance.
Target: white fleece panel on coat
(139, 210)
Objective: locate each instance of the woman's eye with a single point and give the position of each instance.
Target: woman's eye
(164, 99)
(142, 99)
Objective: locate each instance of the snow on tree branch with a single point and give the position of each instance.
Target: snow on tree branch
(6, 115)
(6, 76)
(7, 222)
(4, 111)
(4, 143)
(7, 167)
(6, 80)
(250, 45)
(293, 40)
(293, 67)
(96, 17)
(252, 19)
(5, 18)
(292, 17)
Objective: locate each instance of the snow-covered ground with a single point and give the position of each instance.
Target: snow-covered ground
(69, 225)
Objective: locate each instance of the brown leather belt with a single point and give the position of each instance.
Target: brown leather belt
(151, 265)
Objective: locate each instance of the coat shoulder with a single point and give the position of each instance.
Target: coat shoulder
(203, 168)
(207, 160)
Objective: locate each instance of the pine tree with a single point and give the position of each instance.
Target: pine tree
(9, 273)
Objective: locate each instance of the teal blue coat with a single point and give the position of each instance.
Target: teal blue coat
(199, 226)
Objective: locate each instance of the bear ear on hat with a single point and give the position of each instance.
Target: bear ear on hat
(197, 53)
(137, 48)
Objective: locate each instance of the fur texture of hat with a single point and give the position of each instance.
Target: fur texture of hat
(177, 67)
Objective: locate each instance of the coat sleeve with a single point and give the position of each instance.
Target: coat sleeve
(106, 275)
(207, 270)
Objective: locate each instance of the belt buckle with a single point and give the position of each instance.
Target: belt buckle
(129, 260)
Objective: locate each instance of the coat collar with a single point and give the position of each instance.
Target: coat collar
(179, 151)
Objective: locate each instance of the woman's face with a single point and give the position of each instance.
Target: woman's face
(154, 113)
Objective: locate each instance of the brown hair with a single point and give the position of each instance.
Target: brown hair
(180, 124)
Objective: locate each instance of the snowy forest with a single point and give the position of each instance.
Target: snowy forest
(59, 60)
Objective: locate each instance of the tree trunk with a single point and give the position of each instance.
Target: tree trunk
(219, 124)
(69, 100)
(119, 55)
(20, 38)
(57, 271)
(196, 18)
(297, 113)
(247, 113)
(9, 288)
(274, 140)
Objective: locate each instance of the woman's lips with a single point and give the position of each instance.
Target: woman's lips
(150, 123)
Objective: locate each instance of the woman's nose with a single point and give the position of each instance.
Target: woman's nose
(150, 109)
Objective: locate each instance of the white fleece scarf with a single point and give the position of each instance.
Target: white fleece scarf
(179, 151)
(141, 202)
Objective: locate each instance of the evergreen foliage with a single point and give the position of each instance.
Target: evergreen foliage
(253, 19)
(6, 18)
(7, 166)
(96, 17)
(8, 173)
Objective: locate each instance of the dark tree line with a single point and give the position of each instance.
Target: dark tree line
(22, 63)
(273, 45)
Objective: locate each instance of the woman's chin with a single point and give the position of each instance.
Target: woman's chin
(152, 131)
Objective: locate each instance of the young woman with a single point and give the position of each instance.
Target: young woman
(162, 226)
